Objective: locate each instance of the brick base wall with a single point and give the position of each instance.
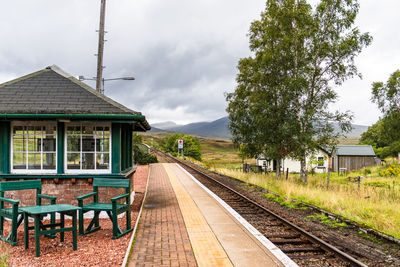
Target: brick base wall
(66, 191)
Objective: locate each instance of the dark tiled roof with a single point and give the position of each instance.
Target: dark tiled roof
(52, 91)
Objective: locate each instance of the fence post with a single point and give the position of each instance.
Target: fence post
(358, 182)
(327, 179)
(245, 168)
(287, 173)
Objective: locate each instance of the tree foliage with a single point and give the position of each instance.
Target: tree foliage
(281, 104)
(140, 154)
(387, 96)
(191, 146)
(385, 134)
(136, 138)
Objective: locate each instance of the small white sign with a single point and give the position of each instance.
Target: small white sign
(180, 144)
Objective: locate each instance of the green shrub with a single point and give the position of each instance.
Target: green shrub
(142, 157)
(191, 146)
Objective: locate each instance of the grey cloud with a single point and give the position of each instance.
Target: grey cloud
(183, 54)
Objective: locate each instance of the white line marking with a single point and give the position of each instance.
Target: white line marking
(260, 237)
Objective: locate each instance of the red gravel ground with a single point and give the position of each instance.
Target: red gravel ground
(95, 249)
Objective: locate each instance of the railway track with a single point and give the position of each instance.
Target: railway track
(301, 246)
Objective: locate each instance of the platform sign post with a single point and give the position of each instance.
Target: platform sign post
(180, 146)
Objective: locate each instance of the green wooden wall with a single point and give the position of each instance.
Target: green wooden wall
(126, 147)
(121, 151)
(4, 147)
(116, 148)
(60, 147)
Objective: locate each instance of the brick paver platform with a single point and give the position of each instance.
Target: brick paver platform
(162, 239)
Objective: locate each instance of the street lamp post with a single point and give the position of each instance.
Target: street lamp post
(129, 78)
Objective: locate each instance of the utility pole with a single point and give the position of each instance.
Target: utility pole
(99, 77)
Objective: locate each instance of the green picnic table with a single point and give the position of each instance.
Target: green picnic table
(38, 212)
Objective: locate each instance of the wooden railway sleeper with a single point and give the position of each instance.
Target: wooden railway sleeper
(302, 249)
(296, 241)
(272, 236)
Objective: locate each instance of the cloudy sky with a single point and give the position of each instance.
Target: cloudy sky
(183, 54)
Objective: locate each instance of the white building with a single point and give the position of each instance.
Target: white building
(319, 161)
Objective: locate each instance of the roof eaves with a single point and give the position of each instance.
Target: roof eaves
(325, 149)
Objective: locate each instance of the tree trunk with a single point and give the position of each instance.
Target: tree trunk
(303, 170)
(278, 168)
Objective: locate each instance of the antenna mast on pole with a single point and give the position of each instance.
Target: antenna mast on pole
(99, 76)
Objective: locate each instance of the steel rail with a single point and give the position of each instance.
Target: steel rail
(326, 246)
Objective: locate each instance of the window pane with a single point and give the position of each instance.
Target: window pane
(34, 143)
(73, 160)
(18, 130)
(88, 161)
(34, 160)
(19, 161)
(49, 161)
(73, 143)
(73, 130)
(19, 143)
(49, 143)
(102, 139)
(88, 144)
(87, 130)
(103, 161)
(102, 145)
(50, 130)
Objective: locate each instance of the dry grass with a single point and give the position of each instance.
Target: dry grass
(216, 153)
(375, 204)
(375, 207)
(4, 255)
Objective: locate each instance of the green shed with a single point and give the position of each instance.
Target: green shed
(54, 126)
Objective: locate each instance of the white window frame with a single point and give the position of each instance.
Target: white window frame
(26, 170)
(321, 165)
(80, 170)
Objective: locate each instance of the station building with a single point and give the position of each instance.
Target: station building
(56, 128)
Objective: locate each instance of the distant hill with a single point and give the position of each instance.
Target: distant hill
(219, 128)
(214, 129)
(155, 129)
(356, 132)
(164, 125)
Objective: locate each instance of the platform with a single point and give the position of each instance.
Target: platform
(184, 225)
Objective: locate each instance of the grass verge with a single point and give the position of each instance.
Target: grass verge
(374, 207)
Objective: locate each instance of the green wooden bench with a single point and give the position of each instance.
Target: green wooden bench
(14, 211)
(113, 208)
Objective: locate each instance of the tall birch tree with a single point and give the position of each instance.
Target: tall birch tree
(281, 103)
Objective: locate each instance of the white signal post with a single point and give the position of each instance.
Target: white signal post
(180, 146)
